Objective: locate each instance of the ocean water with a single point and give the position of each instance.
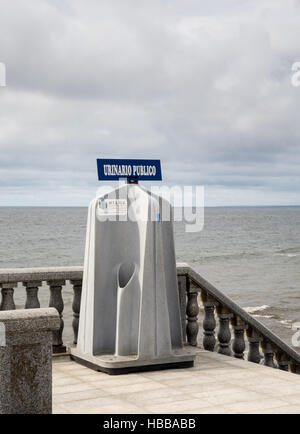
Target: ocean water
(252, 254)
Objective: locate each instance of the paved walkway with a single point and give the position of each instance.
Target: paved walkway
(217, 384)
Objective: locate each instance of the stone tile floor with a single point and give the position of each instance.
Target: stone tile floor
(216, 384)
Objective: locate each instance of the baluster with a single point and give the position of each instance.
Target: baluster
(209, 322)
(77, 287)
(224, 334)
(269, 353)
(56, 301)
(282, 360)
(254, 339)
(32, 300)
(192, 310)
(295, 368)
(182, 288)
(239, 344)
(7, 291)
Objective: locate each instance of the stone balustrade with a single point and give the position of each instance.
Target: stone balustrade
(227, 328)
(235, 326)
(32, 279)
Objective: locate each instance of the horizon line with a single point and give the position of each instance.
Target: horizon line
(206, 206)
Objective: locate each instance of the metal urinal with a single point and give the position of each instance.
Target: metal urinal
(129, 315)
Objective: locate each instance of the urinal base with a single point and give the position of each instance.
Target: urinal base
(113, 365)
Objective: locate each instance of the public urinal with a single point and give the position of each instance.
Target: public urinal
(129, 315)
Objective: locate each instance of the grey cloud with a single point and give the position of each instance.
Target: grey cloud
(205, 87)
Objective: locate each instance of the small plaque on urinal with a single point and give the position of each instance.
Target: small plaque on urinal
(108, 207)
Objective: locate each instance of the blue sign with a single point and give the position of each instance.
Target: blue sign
(114, 169)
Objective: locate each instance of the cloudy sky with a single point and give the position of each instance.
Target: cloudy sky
(203, 85)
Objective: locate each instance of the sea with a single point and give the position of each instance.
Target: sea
(252, 254)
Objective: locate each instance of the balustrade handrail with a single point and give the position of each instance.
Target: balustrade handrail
(190, 284)
(15, 275)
